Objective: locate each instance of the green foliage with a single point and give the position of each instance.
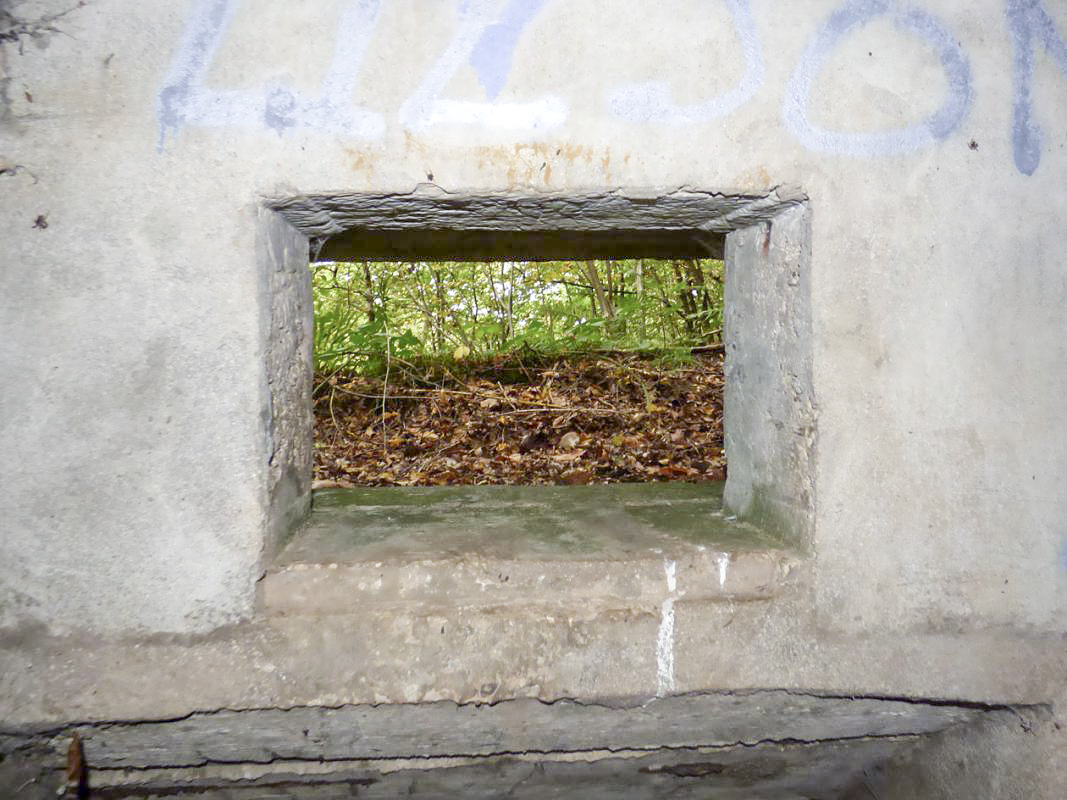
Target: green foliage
(370, 314)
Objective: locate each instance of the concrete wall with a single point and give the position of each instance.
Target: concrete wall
(288, 332)
(138, 143)
(769, 406)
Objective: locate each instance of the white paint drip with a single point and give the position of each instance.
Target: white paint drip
(723, 560)
(665, 636)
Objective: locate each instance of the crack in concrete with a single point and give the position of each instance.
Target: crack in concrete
(620, 704)
(14, 29)
(47, 744)
(971, 705)
(546, 754)
(121, 790)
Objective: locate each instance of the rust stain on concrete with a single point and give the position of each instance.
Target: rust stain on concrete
(359, 160)
(547, 163)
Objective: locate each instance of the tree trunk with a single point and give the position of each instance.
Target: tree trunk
(368, 294)
(607, 309)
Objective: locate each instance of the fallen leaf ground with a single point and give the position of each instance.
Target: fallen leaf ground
(570, 420)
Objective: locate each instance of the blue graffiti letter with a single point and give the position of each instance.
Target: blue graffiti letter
(851, 16)
(186, 100)
(489, 49)
(652, 101)
(1030, 22)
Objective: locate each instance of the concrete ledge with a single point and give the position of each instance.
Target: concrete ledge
(521, 726)
(776, 771)
(430, 207)
(767, 744)
(595, 547)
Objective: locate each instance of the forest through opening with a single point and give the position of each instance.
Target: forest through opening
(518, 372)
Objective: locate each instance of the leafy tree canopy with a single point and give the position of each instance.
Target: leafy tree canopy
(368, 313)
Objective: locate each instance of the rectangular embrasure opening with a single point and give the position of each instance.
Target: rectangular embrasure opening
(499, 545)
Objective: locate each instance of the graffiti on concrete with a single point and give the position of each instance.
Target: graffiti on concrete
(652, 101)
(491, 56)
(488, 48)
(1030, 23)
(489, 31)
(841, 23)
(187, 100)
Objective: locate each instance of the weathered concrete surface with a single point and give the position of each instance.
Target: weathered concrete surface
(769, 396)
(1016, 753)
(140, 142)
(938, 462)
(287, 331)
(516, 727)
(818, 771)
(595, 547)
(792, 740)
(430, 207)
(475, 655)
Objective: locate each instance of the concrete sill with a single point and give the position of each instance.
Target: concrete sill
(604, 547)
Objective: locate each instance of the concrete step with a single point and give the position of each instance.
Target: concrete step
(605, 547)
